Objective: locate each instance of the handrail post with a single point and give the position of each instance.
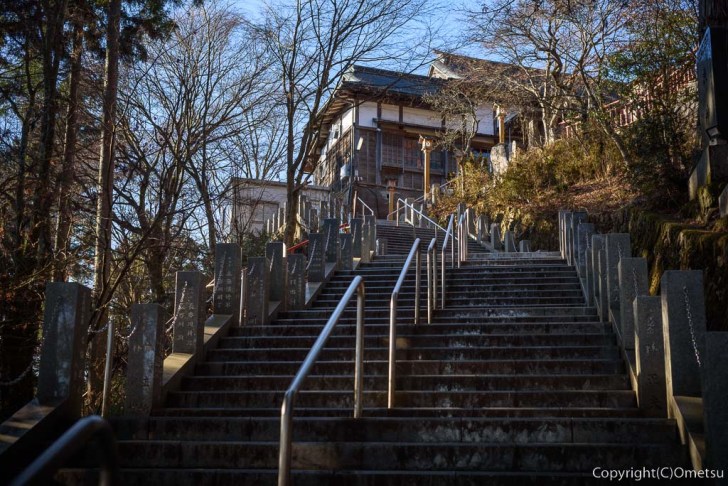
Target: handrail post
(429, 288)
(396, 214)
(418, 272)
(286, 437)
(359, 352)
(391, 373)
(434, 278)
(284, 455)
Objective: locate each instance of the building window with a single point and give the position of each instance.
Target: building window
(391, 149)
(412, 153)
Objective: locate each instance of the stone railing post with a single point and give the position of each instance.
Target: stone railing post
(482, 228)
(189, 305)
(583, 237)
(347, 254)
(313, 226)
(372, 222)
(650, 356)
(275, 252)
(146, 358)
(366, 246)
(316, 258)
(471, 221)
(577, 218)
(600, 283)
(567, 236)
(257, 291)
(226, 293)
(495, 239)
(356, 236)
(63, 351)
(632, 276)
(683, 317)
(524, 246)
(331, 233)
(617, 246)
(296, 295)
(562, 227)
(510, 242)
(592, 274)
(715, 398)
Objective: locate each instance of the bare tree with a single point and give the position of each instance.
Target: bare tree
(313, 43)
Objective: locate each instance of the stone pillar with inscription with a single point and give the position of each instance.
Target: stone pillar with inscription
(63, 351)
(616, 246)
(583, 239)
(347, 254)
(257, 291)
(592, 278)
(356, 236)
(226, 293)
(275, 252)
(684, 326)
(316, 258)
(189, 317)
(145, 361)
(483, 228)
(650, 356)
(366, 246)
(331, 233)
(632, 282)
(495, 238)
(509, 242)
(372, 222)
(577, 218)
(601, 295)
(296, 290)
(567, 236)
(562, 234)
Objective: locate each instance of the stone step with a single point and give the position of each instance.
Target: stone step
(419, 339)
(393, 456)
(380, 327)
(404, 412)
(493, 430)
(407, 398)
(269, 477)
(440, 383)
(421, 352)
(554, 367)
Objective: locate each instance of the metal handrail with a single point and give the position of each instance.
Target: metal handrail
(364, 205)
(448, 237)
(431, 279)
(422, 197)
(284, 457)
(414, 254)
(422, 215)
(68, 444)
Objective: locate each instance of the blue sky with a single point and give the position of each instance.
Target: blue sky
(450, 21)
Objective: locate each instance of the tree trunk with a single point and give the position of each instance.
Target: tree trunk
(102, 259)
(63, 226)
(43, 200)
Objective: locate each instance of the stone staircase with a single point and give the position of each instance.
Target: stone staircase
(515, 382)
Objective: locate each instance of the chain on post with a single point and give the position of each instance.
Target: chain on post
(689, 314)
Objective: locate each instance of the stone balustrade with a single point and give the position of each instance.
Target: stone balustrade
(678, 369)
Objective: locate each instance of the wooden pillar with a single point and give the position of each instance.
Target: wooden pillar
(427, 144)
